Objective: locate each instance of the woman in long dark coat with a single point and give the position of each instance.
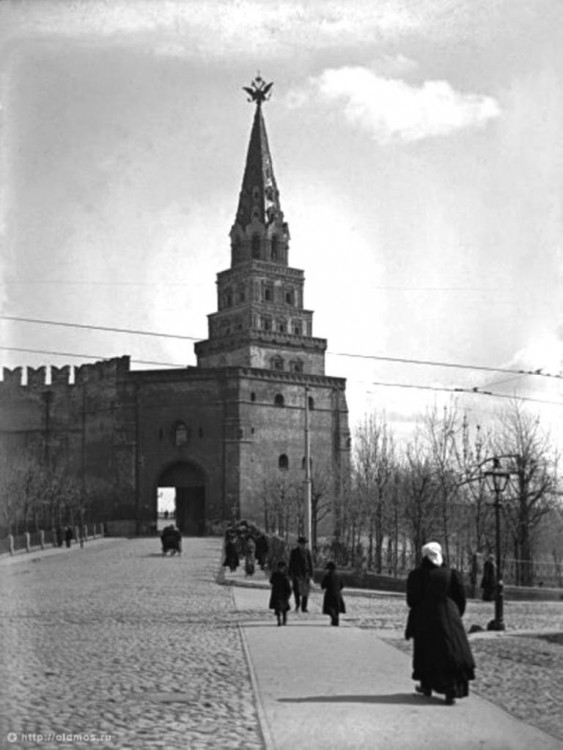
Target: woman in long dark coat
(281, 591)
(442, 658)
(333, 603)
(489, 580)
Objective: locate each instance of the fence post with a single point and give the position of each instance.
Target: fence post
(11, 543)
(42, 538)
(27, 541)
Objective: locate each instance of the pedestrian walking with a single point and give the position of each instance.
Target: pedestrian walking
(301, 572)
(489, 580)
(281, 591)
(442, 658)
(333, 602)
(249, 559)
(261, 550)
(69, 536)
(231, 554)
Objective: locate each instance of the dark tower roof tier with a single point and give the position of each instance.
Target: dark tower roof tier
(260, 320)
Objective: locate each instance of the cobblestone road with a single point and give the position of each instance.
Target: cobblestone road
(117, 640)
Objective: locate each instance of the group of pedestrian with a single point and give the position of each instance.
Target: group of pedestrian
(296, 579)
(171, 540)
(65, 536)
(245, 541)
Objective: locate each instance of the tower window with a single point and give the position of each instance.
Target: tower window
(283, 461)
(282, 326)
(253, 396)
(311, 403)
(275, 243)
(279, 400)
(297, 329)
(289, 298)
(241, 295)
(267, 323)
(268, 293)
(296, 365)
(276, 363)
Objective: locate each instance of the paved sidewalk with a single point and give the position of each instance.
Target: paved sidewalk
(324, 687)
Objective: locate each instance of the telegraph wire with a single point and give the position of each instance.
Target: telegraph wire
(379, 287)
(469, 391)
(88, 356)
(98, 328)
(452, 389)
(401, 360)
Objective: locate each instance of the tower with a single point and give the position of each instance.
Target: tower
(260, 320)
(285, 422)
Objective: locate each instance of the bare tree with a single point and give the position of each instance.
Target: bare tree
(533, 490)
(421, 509)
(374, 463)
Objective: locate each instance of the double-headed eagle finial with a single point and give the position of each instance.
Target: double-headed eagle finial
(260, 91)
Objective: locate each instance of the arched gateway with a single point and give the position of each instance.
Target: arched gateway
(188, 481)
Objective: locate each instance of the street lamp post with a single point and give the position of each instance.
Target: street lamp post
(497, 479)
(307, 483)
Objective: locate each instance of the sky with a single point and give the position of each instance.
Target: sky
(417, 149)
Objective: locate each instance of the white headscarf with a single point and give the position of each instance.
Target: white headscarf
(433, 551)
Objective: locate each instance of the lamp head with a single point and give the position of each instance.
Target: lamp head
(497, 478)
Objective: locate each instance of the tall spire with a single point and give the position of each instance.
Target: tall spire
(259, 213)
(261, 321)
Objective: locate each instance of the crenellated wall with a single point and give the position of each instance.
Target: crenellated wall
(71, 420)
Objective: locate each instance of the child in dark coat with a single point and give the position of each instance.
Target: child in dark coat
(281, 591)
(333, 603)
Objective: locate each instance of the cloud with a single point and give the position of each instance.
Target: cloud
(390, 109)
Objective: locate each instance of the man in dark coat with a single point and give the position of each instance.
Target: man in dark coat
(333, 603)
(301, 571)
(261, 550)
(69, 536)
(442, 658)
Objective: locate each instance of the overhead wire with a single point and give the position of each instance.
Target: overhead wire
(400, 360)
(475, 391)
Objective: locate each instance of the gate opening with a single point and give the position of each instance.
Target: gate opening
(181, 496)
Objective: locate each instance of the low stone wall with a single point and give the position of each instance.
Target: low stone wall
(367, 580)
(29, 541)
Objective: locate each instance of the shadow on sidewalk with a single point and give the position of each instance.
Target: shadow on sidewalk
(394, 698)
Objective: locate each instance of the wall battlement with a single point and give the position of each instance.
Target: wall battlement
(37, 378)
